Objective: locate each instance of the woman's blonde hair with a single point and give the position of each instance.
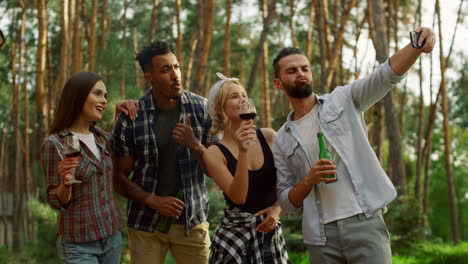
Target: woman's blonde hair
(216, 100)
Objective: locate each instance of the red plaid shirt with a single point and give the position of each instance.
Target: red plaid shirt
(92, 212)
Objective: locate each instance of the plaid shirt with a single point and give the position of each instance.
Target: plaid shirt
(137, 138)
(92, 212)
(237, 237)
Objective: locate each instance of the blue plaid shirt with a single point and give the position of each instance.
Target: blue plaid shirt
(137, 138)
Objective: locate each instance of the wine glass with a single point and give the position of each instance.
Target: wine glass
(247, 111)
(71, 149)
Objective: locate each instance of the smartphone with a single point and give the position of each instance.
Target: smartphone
(414, 36)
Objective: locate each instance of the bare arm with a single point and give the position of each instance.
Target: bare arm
(403, 59)
(237, 186)
(123, 166)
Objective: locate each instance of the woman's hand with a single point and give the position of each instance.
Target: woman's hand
(272, 216)
(245, 132)
(66, 168)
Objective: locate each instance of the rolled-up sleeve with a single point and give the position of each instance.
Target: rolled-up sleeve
(122, 137)
(50, 160)
(285, 178)
(370, 89)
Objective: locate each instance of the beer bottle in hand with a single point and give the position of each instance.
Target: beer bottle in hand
(164, 221)
(324, 153)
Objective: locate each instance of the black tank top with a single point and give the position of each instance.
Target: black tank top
(262, 183)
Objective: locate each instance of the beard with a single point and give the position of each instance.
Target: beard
(299, 90)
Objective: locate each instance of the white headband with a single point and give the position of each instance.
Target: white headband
(212, 96)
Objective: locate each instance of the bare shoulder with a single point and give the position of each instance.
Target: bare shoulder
(213, 159)
(213, 153)
(269, 134)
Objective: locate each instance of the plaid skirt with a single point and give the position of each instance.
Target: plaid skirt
(236, 238)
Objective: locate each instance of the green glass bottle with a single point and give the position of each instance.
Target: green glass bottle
(324, 153)
(165, 222)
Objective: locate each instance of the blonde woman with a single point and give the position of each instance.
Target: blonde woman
(241, 164)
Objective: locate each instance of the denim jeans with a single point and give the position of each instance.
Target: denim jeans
(104, 251)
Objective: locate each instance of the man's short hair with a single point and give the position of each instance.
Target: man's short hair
(145, 56)
(283, 53)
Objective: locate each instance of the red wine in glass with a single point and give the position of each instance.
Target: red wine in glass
(247, 111)
(247, 116)
(72, 154)
(71, 148)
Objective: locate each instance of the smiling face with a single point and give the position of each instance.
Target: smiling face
(165, 77)
(295, 76)
(95, 103)
(235, 96)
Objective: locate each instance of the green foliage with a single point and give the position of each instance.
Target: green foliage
(294, 242)
(216, 205)
(458, 102)
(404, 220)
(292, 223)
(298, 257)
(3, 255)
(426, 253)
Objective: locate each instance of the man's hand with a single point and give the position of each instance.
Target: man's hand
(128, 107)
(168, 206)
(428, 35)
(183, 134)
(272, 216)
(319, 170)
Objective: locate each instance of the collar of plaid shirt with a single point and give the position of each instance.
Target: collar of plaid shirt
(237, 237)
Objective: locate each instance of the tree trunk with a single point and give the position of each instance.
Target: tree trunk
(321, 10)
(41, 66)
(310, 29)
(188, 75)
(103, 24)
(77, 31)
(417, 186)
(154, 20)
(392, 126)
(204, 45)
(265, 92)
(448, 164)
(71, 35)
(138, 75)
(124, 45)
(93, 36)
(292, 24)
(62, 70)
(259, 48)
(179, 54)
(227, 39)
(337, 45)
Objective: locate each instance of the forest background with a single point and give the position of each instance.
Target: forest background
(418, 131)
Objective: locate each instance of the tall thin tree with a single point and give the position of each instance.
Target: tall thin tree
(448, 163)
(204, 45)
(392, 126)
(227, 39)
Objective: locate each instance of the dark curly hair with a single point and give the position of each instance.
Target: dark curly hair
(145, 56)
